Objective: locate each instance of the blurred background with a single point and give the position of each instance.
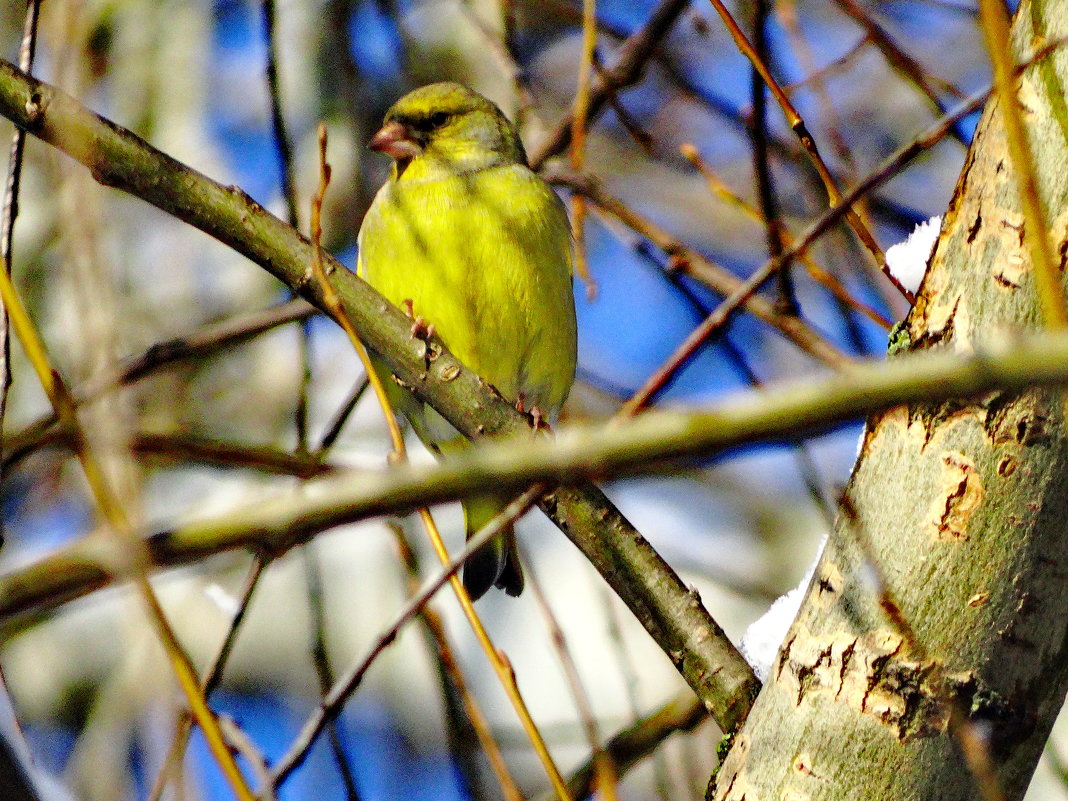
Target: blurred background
(107, 277)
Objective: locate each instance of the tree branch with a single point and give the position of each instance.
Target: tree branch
(653, 442)
(678, 622)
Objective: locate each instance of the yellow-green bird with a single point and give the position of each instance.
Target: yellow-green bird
(481, 247)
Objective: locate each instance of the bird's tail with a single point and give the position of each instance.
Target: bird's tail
(495, 564)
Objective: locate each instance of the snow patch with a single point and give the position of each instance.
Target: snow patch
(907, 261)
(762, 639)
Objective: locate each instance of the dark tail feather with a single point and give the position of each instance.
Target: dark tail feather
(483, 569)
(495, 564)
(511, 578)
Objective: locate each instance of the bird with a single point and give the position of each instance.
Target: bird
(471, 241)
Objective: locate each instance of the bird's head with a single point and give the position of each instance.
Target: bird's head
(445, 129)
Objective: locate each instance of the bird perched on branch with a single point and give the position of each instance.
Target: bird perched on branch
(474, 243)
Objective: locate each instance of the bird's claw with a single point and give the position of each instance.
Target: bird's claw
(538, 418)
(536, 415)
(421, 329)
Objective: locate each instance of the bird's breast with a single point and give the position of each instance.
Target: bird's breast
(486, 258)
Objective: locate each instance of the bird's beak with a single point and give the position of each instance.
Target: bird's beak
(395, 140)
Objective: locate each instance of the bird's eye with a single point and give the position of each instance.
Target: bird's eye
(438, 118)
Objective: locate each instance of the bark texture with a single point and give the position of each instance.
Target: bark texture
(957, 512)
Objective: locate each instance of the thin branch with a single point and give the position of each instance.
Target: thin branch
(284, 146)
(821, 276)
(902, 62)
(323, 670)
(606, 775)
(210, 681)
(706, 271)
(265, 459)
(686, 88)
(631, 745)
(626, 119)
(650, 443)
(467, 723)
(502, 46)
(282, 141)
(797, 125)
(10, 211)
(242, 745)
(805, 463)
(204, 342)
(579, 113)
(343, 688)
(774, 229)
(333, 431)
(722, 315)
(185, 447)
(624, 659)
(627, 68)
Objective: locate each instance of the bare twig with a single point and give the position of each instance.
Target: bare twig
(466, 718)
(206, 341)
(332, 703)
(241, 743)
(283, 143)
(333, 431)
(172, 762)
(625, 70)
(323, 670)
(683, 713)
(578, 140)
(10, 211)
(715, 321)
(818, 273)
(284, 147)
(185, 447)
(797, 125)
(703, 269)
(604, 769)
(265, 459)
(774, 229)
(902, 62)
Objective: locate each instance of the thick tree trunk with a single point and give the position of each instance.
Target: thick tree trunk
(961, 509)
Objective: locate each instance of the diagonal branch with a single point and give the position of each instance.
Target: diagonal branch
(676, 620)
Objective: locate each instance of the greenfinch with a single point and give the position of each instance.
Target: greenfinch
(472, 242)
